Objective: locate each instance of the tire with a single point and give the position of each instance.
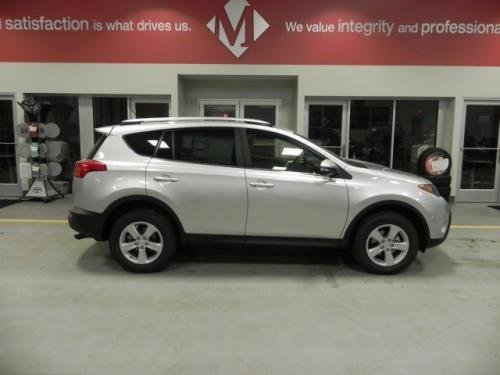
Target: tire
(427, 155)
(444, 191)
(440, 181)
(147, 254)
(379, 262)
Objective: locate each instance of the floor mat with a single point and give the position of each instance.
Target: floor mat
(495, 207)
(7, 202)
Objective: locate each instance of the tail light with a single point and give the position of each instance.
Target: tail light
(83, 167)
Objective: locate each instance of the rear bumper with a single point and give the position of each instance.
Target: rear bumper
(87, 223)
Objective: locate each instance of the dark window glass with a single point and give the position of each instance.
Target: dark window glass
(145, 110)
(219, 110)
(325, 126)
(370, 130)
(480, 156)
(143, 143)
(62, 110)
(205, 145)
(165, 148)
(7, 144)
(108, 110)
(264, 112)
(272, 152)
(415, 130)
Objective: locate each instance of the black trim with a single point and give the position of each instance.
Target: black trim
(229, 240)
(86, 223)
(238, 148)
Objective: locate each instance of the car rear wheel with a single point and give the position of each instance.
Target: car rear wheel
(143, 241)
(385, 243)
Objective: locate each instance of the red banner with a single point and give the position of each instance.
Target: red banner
(341, 32)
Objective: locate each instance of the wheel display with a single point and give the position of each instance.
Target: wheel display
(143, 241)
(440, 181)
(434, 161)
(385, 243)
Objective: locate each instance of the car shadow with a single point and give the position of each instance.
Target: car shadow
(294, 262)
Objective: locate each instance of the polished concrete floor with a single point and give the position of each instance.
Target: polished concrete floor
(66, 308)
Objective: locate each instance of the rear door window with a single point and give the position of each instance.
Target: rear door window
(207, 145)
(143, 143)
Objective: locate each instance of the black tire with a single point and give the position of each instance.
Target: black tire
(168, 239)
(431, 153)
(383, 219)
(440, 181)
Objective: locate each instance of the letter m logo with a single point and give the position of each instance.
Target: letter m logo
(238, 26)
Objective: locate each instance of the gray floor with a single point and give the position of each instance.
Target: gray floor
(65, 308)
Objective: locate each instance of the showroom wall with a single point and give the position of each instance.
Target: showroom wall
(320, 49)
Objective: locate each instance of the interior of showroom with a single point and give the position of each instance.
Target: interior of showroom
(379, 94)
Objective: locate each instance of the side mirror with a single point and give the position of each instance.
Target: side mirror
(329, 168)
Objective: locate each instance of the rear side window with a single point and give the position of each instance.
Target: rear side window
(96, 147)
(143, 143)
(205, 145)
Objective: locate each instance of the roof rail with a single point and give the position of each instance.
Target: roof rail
(149, 120)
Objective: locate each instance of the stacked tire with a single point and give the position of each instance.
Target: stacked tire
(434, 164)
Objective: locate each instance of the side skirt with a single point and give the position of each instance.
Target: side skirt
(222, 240)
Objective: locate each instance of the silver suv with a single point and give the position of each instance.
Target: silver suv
(150, 186)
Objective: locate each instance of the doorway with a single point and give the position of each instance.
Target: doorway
(480, 153)
(8, 171)
(327, 125)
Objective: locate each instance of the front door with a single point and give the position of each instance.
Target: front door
(286, 195)
(327, 125)
(480, 156)
(8, 171)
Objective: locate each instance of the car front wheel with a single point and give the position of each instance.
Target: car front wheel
(385, 243)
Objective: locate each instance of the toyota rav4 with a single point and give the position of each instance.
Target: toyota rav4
(150, 186)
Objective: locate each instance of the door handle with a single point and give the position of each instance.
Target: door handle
(261, 184)
(165, 178)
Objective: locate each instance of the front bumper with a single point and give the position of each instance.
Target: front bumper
(87, 223)
(446, 229)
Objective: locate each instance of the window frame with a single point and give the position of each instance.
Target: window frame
(248, 159)
(237, 146)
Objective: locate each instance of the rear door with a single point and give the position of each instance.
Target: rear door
(198, 172)
(287, 197)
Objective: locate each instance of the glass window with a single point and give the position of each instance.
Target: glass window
(219, 110)
(264, 112)
(145, 110)
(415, 129)
(62, 110)
(371, 130)
(8, 172)
(325, 126)
(205, 145)
(143, 143)
(269, 151)
(108, 110)
(479, 161)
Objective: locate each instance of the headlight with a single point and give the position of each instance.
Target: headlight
(429, 188)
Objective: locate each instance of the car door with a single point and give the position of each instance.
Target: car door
(287, 197)
(196, 171)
